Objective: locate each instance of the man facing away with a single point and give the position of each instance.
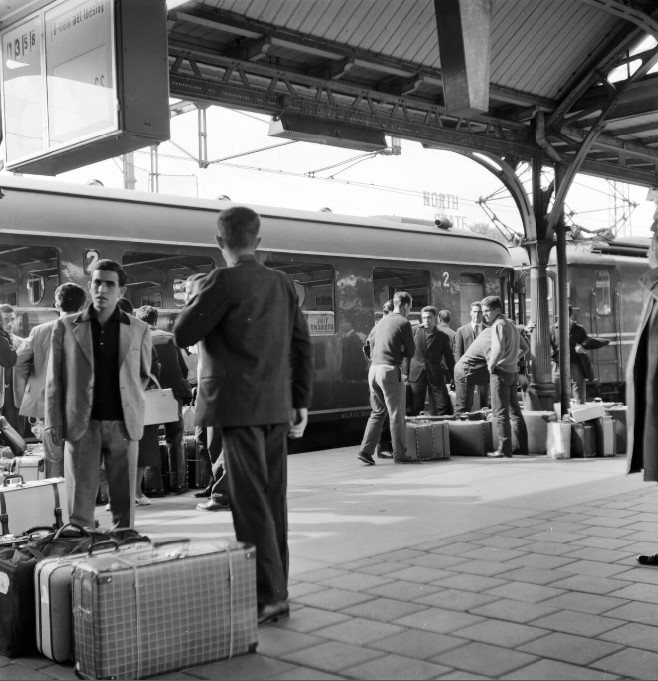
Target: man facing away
(390, 342)
(464, 337)
(507, 346)
(255, 385)
(32, 364)
(99, 365)
(426, 375)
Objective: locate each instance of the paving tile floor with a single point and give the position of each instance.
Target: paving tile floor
(463, 569)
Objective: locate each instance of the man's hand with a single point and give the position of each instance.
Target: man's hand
(54, 435)
(298, 423)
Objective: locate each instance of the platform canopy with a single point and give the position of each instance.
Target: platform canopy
(562, 79)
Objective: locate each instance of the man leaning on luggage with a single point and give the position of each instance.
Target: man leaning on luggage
(99, 365)
(255, 386)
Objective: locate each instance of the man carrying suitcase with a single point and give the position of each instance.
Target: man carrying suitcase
(255, 385)
(100, 361)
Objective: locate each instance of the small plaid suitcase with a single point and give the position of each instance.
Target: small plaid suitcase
(179, 605)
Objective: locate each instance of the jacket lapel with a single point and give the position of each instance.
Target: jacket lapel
(82, 334)
(125, 337)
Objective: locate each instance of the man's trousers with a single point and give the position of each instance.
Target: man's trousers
(257, 475)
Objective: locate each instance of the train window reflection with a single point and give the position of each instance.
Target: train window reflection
(28, 274)
(314, 284)
(603, 297)
(157, 279)
(416, 283)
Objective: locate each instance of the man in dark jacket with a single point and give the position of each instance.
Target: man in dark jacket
(391, 341)
(580, 366)
(173, 374)
(255, 384)
(433, 347)
(464, 337)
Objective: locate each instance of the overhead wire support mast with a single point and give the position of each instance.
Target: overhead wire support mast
(511, 236)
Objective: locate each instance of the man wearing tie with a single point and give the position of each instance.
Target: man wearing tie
(464, 337)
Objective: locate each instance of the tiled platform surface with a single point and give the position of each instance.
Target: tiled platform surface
(463, 569)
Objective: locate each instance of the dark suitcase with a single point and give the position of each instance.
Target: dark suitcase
(102, 497)
(52, 593)
(583, 440)
(198, 470)
(418, 439)
(537, 424)
(17, 608)
(172, 479)
(440, 441)
(153, 612)
(605, 436)
(470, 438)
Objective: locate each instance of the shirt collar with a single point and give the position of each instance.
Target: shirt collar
(118, 315)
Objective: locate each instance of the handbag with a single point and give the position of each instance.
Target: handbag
(160, 405)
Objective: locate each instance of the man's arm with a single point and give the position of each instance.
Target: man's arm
(408, 341)
(301, 370)
(54, 417)
(25, 358)
(204, 312)
(459, 344)
(495, 355)
(146, 357)
(449, 357)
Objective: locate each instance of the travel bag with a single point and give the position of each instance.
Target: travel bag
(17, 565)
(198, 469)
(619, 414)
(537, 426)
(470, 438)
(52, 593)
(558, 439)
(583, 443)
(178, 605)
(605, 436)
(37, 503)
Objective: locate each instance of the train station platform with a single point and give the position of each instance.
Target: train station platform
(471, 568)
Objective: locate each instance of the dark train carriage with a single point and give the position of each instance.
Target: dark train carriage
(603, 289)
(344, 268)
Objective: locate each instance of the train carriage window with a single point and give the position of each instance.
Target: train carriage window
(158, 279)
(603, 295)
(29, 276)
(471, 290)
(388, 280)
(314, 284)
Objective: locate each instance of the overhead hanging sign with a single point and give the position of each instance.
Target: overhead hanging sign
(71, 96)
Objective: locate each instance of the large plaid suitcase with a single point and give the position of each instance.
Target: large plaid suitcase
(152, 612)
(52, 595)
(37, 503)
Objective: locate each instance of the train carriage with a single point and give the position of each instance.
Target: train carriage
(344, 268)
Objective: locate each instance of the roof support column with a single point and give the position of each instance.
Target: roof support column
(541, 392)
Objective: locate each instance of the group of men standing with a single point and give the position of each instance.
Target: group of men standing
(95, 361)
(481, 354)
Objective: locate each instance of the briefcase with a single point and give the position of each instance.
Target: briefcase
(151, 612)
(37, 503)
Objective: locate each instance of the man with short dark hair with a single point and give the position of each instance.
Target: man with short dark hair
(391, 341)
(507, 347)
(433, 348)
(173, 374)
(10, 398)
(32, 364)
(100, 361)
(444, 325)
(256, 370)
(464, 337)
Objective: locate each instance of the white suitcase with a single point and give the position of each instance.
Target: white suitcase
(586, 412)
(558, 440)
(37, 503)
(29, 466)
(605, 436)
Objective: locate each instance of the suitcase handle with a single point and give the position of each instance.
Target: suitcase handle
(104, 544)
(37, 529)
(77, 529)
(13, 476)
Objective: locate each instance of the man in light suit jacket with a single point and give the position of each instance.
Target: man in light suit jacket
(32, 364)
(255, 385)
(99, 365)
(464, 337)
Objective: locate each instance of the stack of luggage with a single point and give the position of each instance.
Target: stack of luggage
(116, 604)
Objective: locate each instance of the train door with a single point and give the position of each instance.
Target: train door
(604, 324)
(387, 280)
(471, 290)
